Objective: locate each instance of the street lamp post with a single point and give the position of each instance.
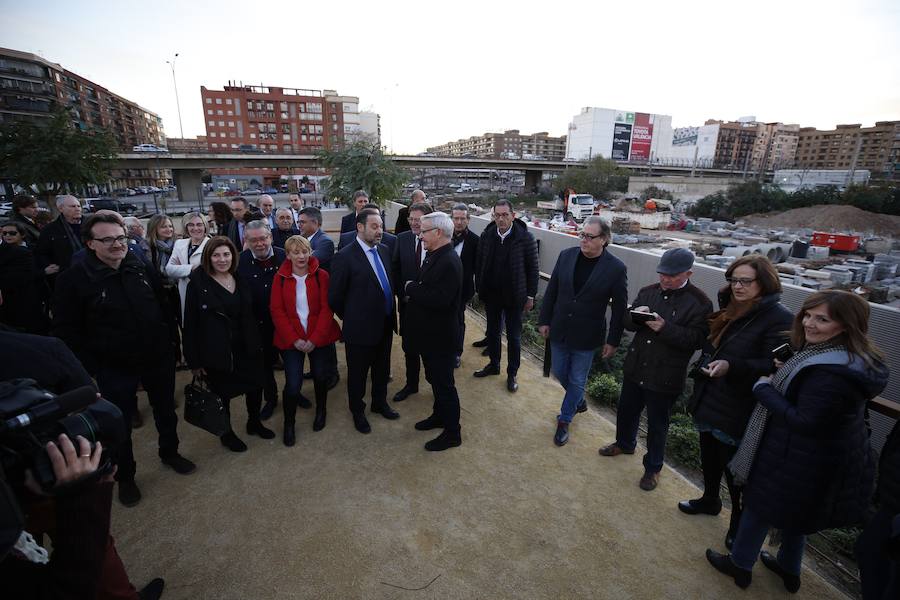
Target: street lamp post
(171, 63)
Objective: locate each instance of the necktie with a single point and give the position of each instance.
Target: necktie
(385, 285)
(418, 253)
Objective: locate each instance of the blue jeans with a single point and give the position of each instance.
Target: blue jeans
(571, 368)
(293, 367)
(632, 401)
(751, 534)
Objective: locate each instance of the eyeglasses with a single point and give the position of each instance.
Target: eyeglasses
(109, 241)
(424, 231)
(587, 236)
(13, 232)
(739, 281)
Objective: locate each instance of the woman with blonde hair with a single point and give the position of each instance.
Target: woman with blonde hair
(187, 251)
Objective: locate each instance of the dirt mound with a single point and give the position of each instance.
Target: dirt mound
(829, 217)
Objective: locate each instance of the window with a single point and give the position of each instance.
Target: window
(252, 136)
(230, 113)
(302, 137)
(250, 104)
(209, 100)
(271, 127)
(333, 117)
(209, 111)
(227, 100)
(231, 123)
(284, 115)
(270, 106)
(273, 147)
(211, 123)
(214, 145)
(221, 123)
(283, 106)
(286, 137)
(261, 126)
(218, 101)
(288, 148)
(234, 146)
(219, 112)
(232, 134)
(285, 128)
(212, 134)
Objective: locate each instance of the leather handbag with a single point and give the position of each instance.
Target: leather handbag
(204, 409)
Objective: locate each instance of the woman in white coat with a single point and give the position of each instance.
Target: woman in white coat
(187, 251)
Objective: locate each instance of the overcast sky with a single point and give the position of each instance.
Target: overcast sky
(442, 71)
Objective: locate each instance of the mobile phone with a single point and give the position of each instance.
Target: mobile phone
(783, 352)
(642, 317)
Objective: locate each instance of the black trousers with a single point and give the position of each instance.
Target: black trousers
(496, 315)
(362, 358)
(439, 371)
(120, 387)
(413, 365)
(270, 388)
(461, 337)
(714, 458)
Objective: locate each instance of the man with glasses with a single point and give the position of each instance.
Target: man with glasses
(108, 310)
(656, 363)
(573, 315)
(266, 206)
(506, 277)
(409, 255)
(60, 239)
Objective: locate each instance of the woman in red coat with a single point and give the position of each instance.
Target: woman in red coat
(304, 325)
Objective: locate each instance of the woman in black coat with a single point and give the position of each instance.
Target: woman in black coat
(749, 325)
(221, 340)
(805, 454)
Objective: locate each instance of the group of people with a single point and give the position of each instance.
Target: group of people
(779, 399)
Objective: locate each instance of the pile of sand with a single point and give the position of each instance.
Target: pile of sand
(830, 218)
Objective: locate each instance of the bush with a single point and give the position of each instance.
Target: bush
(603, 388)
(683, 442)
(842, 539)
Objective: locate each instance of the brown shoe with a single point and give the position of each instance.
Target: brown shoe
(613, 450)
(649, 481)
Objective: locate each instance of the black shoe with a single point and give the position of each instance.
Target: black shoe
(791, 581)
(268, 410)
(129, 494)
(482, 343)
(153, 590)
(319, 421)
(231, 441)
(179, 464)
(562, 434)
(361, 424)
(729, 539)
(490, 369)
(387, 412)
(443, 442)
(303, 401)
(458, 362)
(511, 384)
(432, 422)
(723, 564)
(582, 407)
(700, 506)
(405, 393)
(290, 436)
(485, 352)
(260, 430)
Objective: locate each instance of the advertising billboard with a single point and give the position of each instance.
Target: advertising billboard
(641, 136)
(621, 141)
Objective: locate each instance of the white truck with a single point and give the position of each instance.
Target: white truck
(574, 207)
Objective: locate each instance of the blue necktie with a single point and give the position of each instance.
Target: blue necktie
(382, 277)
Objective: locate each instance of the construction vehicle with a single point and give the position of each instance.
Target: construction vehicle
(574, 207)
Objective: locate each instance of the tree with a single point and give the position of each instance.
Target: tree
(599, 177)
(55, 156)
(361, 166)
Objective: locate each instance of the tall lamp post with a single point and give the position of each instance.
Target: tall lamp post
(171, 64)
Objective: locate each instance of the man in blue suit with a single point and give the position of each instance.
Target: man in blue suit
(361, 293)
(310, 223)
(573, 314)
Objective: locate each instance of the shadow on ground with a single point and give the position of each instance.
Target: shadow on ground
(343, 515)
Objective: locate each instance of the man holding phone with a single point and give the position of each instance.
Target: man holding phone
(669, 319)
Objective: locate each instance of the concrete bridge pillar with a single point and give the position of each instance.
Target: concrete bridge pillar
(533, 180)
(190, 186)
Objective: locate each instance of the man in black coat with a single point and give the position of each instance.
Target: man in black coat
(506, 277)
(20, 296)
(402, 224)
(465, 244)
(234, 231)
(310, 223)
(656, 365)
(284, 227)
(362, 295)
(108, 310)
(25, 208)
(257, 267)
(432, 300)
(573, 314)
(407, 261)
(60, 239)
(348, 222)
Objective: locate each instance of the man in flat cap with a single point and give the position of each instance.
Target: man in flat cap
(656, 365)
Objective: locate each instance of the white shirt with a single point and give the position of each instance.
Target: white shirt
(504, 235)
(371, 259)
(302, 303)
(458, 248)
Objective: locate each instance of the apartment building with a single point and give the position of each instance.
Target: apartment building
(509, 144)
(851, 147)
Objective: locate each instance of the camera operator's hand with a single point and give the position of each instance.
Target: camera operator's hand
(68, 463)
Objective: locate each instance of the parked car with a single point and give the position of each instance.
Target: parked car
(304, 190)
(5, 209)
(148, 148)
(250, 149)
(285, 188)
(107, 203)
(252, 192)
(270, 190)
(232, 193)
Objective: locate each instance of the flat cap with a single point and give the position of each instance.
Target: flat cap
(675, 260)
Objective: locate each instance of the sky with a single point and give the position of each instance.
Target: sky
(437, 72)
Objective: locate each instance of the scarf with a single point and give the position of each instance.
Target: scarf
(745, 456)
(74, 240)
(459, 238)
(161, 251)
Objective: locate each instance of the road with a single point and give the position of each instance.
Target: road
(172, 205)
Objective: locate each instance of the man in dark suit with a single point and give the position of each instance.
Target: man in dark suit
(573, 314)
(20, 297)
(433, 299)
(257, 266)
(348, 223)
(465, 244)
(362, 295)
(407, 261)
(60, 239)
(310, 223)
(388, 239)
(402, 224)
(234, 231)
(284, 227)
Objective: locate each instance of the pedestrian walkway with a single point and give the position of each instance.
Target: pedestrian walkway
(343, 515)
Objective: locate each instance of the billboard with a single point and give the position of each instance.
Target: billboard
(621, 141)
(641, 136)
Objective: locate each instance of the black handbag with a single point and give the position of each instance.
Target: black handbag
(204, 409)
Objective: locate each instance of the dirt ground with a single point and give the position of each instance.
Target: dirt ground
(342, 515)
(838, 217)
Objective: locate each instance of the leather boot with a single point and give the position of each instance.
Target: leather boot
(321, 387)
(254, 424)
(289, 406)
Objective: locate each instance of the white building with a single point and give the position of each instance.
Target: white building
(691, 146)
(624, 136)
(370, 125)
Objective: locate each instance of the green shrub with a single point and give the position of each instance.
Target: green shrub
(683, 441)
(603, 388)
(842, 539)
